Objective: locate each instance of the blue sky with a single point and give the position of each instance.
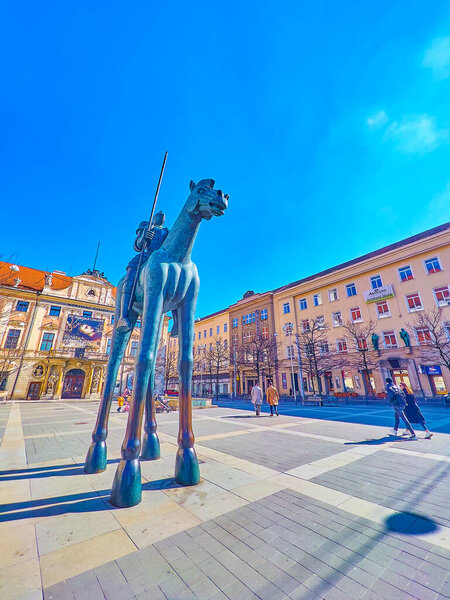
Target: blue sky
(327, 124)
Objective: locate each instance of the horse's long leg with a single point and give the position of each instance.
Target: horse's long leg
(150, 443)
(96, 456)
(127, 486)
(186, 466)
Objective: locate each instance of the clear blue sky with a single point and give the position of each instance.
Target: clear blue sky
(327, 123)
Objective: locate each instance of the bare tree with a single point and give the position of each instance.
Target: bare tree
(8, 358)
(259, 355)
(360, 357)
(433, 333)
(320, 358)
(170, 363)
(217, 359)
(238, 362)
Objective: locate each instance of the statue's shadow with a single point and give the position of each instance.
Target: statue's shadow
(90, 501)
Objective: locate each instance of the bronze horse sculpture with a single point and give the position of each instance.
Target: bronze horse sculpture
(167, 282)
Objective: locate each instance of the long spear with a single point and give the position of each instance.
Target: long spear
(130, 304)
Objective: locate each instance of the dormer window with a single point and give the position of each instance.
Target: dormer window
(91, 293)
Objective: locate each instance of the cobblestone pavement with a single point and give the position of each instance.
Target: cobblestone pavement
(314, 504)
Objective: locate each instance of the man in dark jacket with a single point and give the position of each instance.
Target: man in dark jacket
(397, 400)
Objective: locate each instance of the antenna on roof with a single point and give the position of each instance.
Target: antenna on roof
(96, 255)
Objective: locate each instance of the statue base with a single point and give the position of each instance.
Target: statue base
(96, 458)
(127, 486)
(187, 471)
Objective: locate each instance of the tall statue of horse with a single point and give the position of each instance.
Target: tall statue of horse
(167, 282)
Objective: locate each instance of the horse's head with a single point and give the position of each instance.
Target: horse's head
(205, 201)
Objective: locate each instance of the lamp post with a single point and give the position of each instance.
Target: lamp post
(287, 328)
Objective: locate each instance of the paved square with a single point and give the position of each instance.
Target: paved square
(317, 503)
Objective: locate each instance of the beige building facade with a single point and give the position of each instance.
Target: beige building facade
(389, 289)
(55, 334)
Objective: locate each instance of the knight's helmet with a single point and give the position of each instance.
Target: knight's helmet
(159, 219)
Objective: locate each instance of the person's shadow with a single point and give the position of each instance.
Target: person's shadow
(376, 441)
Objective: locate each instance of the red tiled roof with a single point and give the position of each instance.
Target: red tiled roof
(31, 279)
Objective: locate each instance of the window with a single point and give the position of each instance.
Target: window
(246, 336)
(341, 346)
(413, 302)
(433, 265)
(320, 322)
(204, 333)
(210, 331)
(265, 333)
(12, 339)
(225, 327)
(263, 315)
(305, 325)
(138, 324)
(247, 319)
(324, 348)
(376, 282)
(351, 289)
(218, 329)
(423, 335)
(333, 295)
(22, 306)
(337, 319)
(235, 322)
(47, 341)
(442, 295)
(405, 273)
(199, 335)
(317, 299)
(390, 341)
(225, 344)
(290, 351)
(355, 314)
(286, 308)
(108, 346)
(383, 309)
(133, 349)
(87, 313)
(112, 319)
(362, 343)
(309, 349)
(54, 311)
(235, 339)
(303, 304)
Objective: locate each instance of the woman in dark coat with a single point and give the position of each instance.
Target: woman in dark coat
(412, 411)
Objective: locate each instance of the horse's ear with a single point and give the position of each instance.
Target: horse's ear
(192, 185)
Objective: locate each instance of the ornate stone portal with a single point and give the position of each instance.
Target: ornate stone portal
(167, 282)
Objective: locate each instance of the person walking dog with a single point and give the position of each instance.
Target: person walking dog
(272, 398)
(413, 412)
(257, 398)
(397, 400)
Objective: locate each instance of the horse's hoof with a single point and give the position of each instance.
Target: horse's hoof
(150, 447)
(96, 458)
(187, 471)
(127, 487)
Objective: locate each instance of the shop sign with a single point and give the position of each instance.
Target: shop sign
(381, 293)
(431, 369)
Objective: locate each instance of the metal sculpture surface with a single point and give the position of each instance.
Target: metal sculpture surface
(168, 281)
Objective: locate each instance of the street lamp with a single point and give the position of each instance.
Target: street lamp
(288, 328)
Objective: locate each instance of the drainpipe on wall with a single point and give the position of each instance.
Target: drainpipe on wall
(27, 339)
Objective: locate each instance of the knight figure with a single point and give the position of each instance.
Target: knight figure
(147, 241)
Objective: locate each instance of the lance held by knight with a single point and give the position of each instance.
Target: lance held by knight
(147, 241)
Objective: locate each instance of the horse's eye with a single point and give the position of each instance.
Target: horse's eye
(201, 191)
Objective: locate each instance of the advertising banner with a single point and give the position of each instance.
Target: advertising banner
(83, 331)
(381, 293)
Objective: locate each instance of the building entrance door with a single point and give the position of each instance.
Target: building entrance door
(73, 384)
(34, 390)
(400, 376)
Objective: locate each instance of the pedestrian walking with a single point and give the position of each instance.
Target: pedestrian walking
(120, 402)
(397, 400)
(413, 412)
(272, 398)
(257, 398)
